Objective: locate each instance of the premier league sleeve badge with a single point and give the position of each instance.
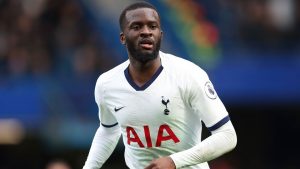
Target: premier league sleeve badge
(210, 91)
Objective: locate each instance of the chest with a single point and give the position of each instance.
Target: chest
(160, 105)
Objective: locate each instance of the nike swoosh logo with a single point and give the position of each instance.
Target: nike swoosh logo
(119, 108)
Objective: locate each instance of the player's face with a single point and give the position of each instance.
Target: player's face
(142, 34)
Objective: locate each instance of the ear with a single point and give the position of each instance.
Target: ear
(122, 38)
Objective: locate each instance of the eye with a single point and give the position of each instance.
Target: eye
(135, 27)
(153, 26)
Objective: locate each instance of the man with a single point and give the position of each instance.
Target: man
(157, 102)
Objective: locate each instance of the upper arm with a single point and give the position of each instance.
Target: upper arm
(107, 119)
(204, 100)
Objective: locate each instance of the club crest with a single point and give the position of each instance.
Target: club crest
(165, 102)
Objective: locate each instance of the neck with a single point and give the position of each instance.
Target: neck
(141, 73)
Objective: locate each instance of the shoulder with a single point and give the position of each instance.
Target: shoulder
(111, 75)
(181, 66)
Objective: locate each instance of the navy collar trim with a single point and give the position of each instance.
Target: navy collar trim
(147, 84)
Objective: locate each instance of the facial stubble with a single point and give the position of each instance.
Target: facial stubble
(139, 55)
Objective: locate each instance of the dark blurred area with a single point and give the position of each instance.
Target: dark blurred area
(52, 52)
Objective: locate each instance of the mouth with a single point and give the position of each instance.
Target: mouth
(146, 44)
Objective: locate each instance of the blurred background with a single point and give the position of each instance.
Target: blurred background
(52, 51)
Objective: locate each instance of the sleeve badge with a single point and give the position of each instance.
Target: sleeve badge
(210, 91)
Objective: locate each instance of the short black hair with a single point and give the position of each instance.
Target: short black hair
(136, 5)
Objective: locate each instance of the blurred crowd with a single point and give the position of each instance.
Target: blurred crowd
(46, 37)
(55, 36)
(263, 25)
(50, 57)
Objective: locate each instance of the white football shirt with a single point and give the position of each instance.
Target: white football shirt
(163, 116)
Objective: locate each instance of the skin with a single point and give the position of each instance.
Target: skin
(162, 163)
(140, 25)
(142, 36)
(58, 165)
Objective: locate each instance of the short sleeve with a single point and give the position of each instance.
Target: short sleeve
(107, 119)
(204, 100)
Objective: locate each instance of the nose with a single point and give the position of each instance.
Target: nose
(146, 31)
